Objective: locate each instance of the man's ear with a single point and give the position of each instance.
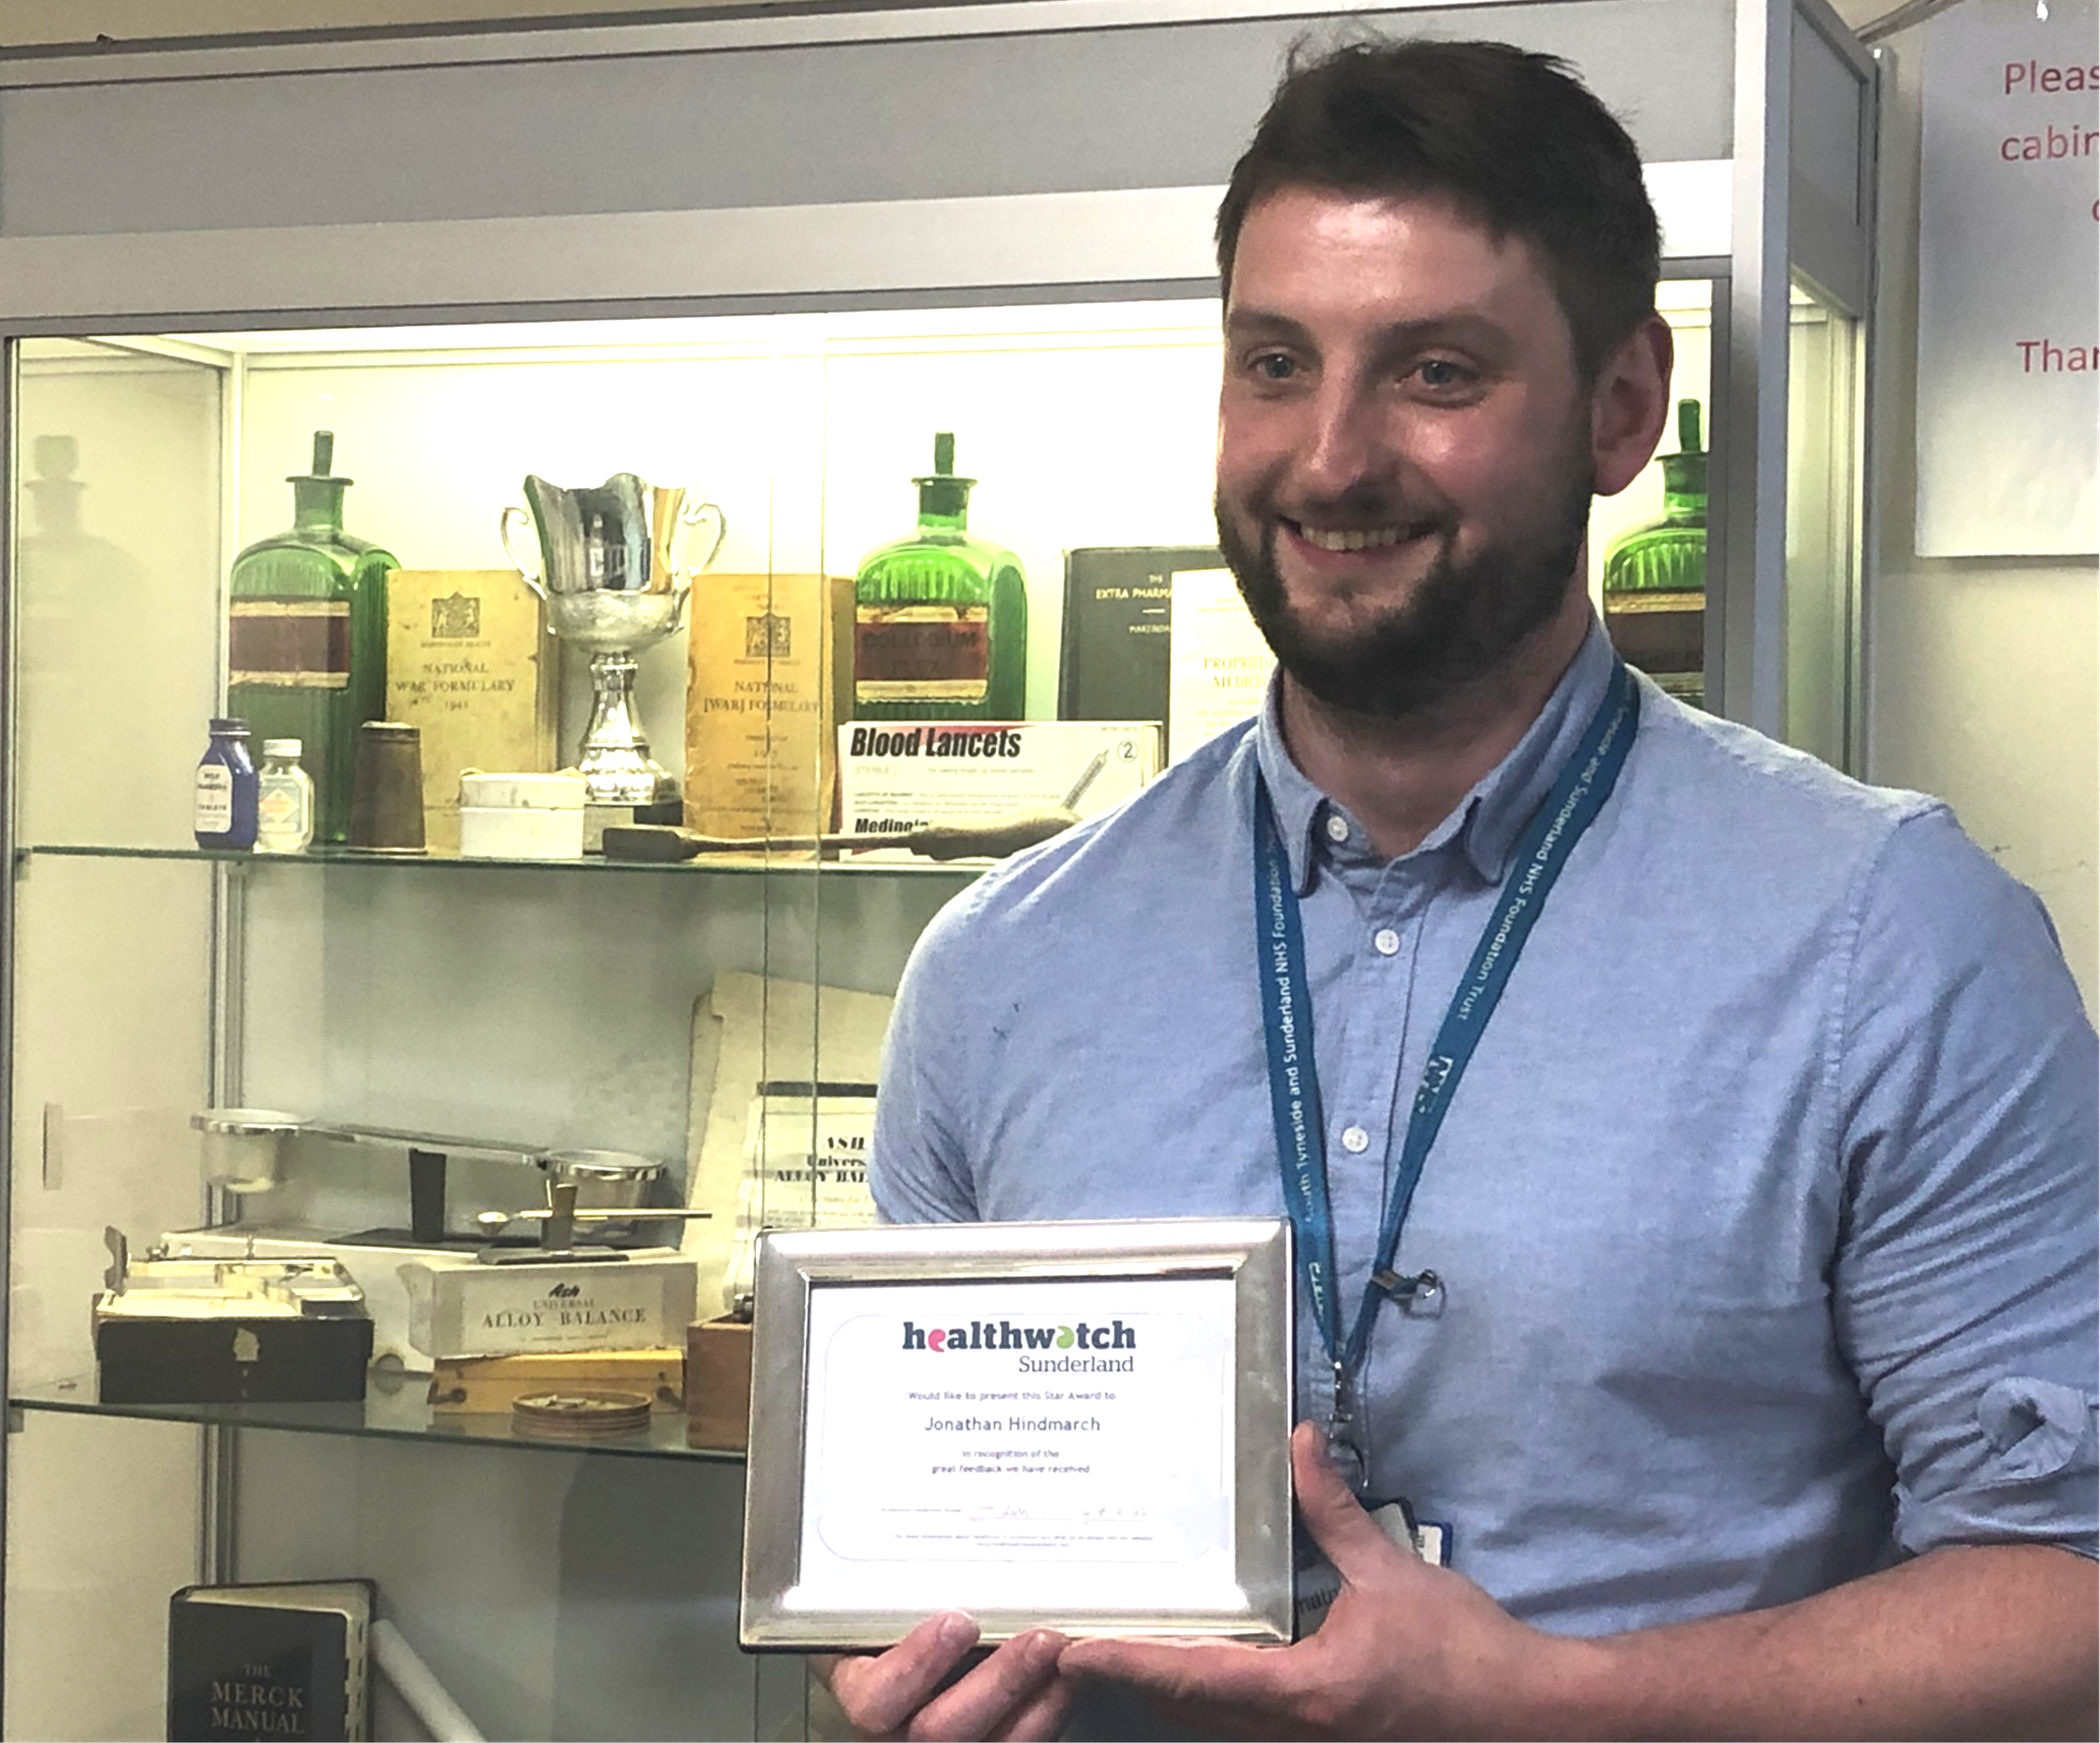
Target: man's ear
(1630, 405)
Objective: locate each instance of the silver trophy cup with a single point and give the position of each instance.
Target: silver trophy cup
(612, 564)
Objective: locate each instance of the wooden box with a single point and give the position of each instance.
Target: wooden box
(229, 1358)
(718, 1384)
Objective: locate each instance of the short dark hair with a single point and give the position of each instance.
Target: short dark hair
(1512, 139)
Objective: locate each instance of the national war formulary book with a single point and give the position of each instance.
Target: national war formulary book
(259, 1661)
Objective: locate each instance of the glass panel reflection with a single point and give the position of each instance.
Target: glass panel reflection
(1648, 544)
(403, 1412)
(1822, 528)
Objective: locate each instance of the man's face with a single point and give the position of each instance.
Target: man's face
(1404, 463)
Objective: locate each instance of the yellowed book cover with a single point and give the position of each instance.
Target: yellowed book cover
(769, 676)
(469, 661)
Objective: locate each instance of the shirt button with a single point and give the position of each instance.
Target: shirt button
(1337, 827)
(1355, 1140)
(1385, 941)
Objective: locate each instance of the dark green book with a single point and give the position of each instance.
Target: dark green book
(1118, 624)
(261, 1662)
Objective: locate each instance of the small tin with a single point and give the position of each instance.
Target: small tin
(581, 1415)
(386, 789)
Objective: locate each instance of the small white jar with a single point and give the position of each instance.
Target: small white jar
(284, 800)
(521, 816)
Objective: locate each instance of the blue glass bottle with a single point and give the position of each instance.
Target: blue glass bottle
(226, 789)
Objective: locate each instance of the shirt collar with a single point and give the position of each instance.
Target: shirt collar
(1487, 820)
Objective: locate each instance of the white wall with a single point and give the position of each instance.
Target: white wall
(1981, 672)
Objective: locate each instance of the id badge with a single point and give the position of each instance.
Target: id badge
(1319, 1585)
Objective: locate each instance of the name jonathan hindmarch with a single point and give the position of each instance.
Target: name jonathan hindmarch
(1014, 1425)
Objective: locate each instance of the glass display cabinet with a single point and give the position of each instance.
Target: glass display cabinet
(762, 259)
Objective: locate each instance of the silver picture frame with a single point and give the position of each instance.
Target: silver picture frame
(850, 1539)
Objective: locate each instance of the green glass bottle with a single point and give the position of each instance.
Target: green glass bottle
(1655, 574)
(307, 641)
(940, 617)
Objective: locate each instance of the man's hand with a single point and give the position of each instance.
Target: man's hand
(1407, 1650)
(913, 1690)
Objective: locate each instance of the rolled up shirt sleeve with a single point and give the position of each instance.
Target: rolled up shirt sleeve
(1964, 1282)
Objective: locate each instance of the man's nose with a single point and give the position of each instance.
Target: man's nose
(1346, 444)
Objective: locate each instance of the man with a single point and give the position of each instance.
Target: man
(1739, 1325)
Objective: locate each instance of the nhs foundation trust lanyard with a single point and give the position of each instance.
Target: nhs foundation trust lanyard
(1578, 794)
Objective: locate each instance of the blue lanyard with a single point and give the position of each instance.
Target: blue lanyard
(1578, 794)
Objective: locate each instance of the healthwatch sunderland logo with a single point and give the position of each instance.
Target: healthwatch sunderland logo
(983, 1334)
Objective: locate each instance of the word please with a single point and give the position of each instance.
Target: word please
(2032, 75)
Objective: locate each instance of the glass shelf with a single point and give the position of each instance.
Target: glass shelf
(720, 864)
(402, 1413)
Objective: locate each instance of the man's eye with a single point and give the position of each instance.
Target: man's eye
(1273, 366)
(1441, 373)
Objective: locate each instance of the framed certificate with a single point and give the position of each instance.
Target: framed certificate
(1080, 1425)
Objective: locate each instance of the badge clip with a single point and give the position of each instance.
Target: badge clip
(1421, 1294)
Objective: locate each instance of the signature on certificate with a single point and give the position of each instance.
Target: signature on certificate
(1020, 1512)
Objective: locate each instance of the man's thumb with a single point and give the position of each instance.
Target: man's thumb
(1347, 1535)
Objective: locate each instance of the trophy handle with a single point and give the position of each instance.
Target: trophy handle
(690, 516)
(528, 568)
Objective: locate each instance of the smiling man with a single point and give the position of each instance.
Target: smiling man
(1400, 424)
(1709, 1251)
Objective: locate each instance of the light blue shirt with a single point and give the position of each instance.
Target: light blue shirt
(1765, 1212)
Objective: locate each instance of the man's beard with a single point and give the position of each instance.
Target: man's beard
(1461, 622)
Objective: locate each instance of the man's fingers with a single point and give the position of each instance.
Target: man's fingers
(1201, 1673)
(1348, 1536)
(1039, 1720)
(995, 1694)
(878, 1694)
